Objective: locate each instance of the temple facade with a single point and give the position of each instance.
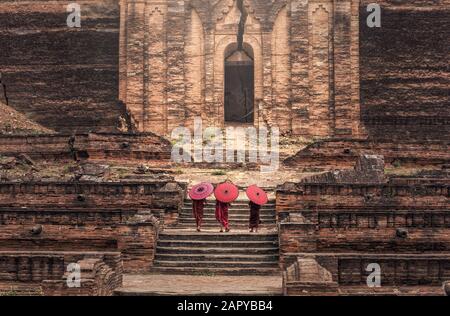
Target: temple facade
(293, 64)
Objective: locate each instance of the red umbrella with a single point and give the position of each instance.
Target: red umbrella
(257, 195)
(226, 192)
(201, 191)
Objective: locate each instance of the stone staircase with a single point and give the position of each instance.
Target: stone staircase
(182, 250)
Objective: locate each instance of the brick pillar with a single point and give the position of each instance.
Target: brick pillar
(123, 51)
(299, 61)
(132, 59)
(155, 67)
(346, 68)
(143, 69)
(175, 60)
(265, 113)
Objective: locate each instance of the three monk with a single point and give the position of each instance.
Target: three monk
(225, 193)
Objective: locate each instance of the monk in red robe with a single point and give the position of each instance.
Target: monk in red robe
(254, 216)
(197, 209)
(222, 215)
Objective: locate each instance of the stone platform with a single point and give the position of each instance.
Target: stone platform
(188, 285)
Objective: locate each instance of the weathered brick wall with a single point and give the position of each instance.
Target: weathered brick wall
(39, 273)
(305, 196)
(131, 232)
(307, 277)
(92, 147)
(346, 226)
(410, 274)
(94, 216)
(366, 230)
(368, 169)
(304, 53)
(158, 195)
(52, 71)
(97, 279)
(63, 78)
(343, 154)
(403, 215)
(405, 71)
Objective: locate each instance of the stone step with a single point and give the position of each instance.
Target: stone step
(222, 257)
(230, 218)
(241, 211)
(208, 236)
(234, 205)
(239, 201)
(212, 206)
(242, 220)
(246, 212)
(216, 271)
(216, 227)
(212, 251)
(216, 264)
(233, 226)
(131, 292)
(216, 244)
(213, 224)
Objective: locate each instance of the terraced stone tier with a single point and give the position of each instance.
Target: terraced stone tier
(194, 285)
(210, 253)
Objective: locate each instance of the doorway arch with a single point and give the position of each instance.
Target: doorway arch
(224, 47)
(239, 84)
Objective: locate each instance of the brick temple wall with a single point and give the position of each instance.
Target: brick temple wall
(367, 230)
(417, 195)
(305, 57)
(95, 216)
(345, 274)
(330, 232)
(158, 195)
(405, 74)
(92, 147)
(343, 153)
(129, 232)
(339, 217)
(306, 80)
(38, 273)
(63, 78)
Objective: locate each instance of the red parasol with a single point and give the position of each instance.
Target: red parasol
(226, 192)
(201, 191)
(257, 195)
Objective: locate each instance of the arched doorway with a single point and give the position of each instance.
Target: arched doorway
(239, 85)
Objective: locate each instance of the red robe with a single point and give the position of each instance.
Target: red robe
(254, 215)
(222, 213)
(197, 210)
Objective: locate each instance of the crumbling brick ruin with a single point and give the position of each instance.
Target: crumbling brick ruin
(335, 224)
(86, 175)
(318, 69)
